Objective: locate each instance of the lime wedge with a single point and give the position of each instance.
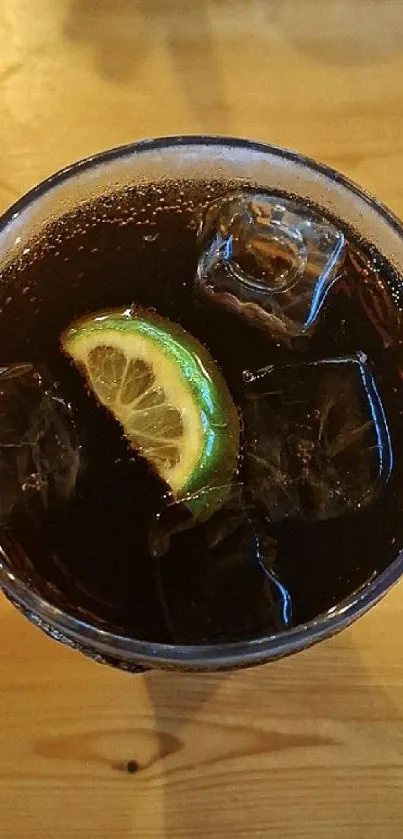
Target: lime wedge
(168, 395)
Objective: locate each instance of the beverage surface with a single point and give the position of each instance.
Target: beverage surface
(303, 323)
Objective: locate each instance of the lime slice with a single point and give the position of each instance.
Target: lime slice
(168, 395)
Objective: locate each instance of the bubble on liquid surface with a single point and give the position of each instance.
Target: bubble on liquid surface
(317, 438)
(270, 259)
(39, 450)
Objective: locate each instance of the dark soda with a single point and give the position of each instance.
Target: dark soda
(246, 572)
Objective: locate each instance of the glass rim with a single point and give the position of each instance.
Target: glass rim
(208, 655)
(180, 140)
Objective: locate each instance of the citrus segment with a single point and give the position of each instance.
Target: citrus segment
(166, 392)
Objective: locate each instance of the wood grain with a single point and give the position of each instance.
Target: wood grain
(305, 748)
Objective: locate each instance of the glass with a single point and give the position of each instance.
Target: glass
(200, 158)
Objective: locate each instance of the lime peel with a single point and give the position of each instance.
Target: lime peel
(200, 417)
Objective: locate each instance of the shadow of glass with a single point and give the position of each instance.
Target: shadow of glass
(257, 752)
(122, 35)
(312, 740)
(341, 32)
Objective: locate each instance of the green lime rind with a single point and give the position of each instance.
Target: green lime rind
(206, 487)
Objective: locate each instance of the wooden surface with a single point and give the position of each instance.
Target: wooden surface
(312, 746)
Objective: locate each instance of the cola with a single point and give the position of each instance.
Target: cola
(303, 321)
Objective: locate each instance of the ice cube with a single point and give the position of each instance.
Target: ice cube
(271, 259)
(39, 451)
(223, 583)
(317, 438)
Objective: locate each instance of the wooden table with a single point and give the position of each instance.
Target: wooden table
(309, 747)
